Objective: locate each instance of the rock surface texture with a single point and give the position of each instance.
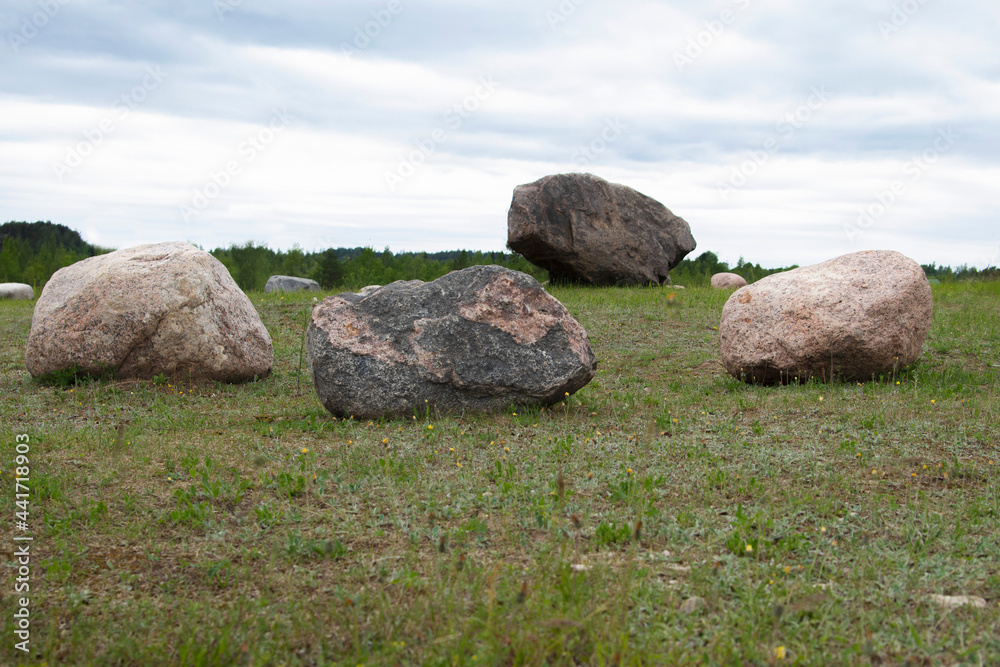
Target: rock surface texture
(582, 228)
(290, 284)
(16, 291)
(728, 281)
(480, 339)
(852, 318)
(165, 308)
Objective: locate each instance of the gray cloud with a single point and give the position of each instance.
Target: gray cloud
(369, 81)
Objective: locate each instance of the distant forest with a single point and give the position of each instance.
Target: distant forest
(30, 252)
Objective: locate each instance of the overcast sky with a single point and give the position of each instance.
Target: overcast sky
(783, 131)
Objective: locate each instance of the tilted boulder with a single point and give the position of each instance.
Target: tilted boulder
(854, 318)
(290, 284)
(581, 228)
(728, 281)
(165, 308)
(480, 339)
(16, 291)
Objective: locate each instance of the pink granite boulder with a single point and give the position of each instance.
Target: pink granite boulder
(728, 281)
(165, 308)
(856, 317)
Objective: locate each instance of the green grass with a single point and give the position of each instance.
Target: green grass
(209, 524)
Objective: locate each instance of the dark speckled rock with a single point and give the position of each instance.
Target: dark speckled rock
(853, 318)
(480, 339)
(581, 228)
(165, 308)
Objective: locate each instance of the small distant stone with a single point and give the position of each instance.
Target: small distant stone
(955, 601)
(728, 281)
(16, 291)
(290, 284)
(692, 605)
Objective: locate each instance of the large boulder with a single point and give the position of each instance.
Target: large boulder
(165, 308)
(582, 228)
(16, 291)
(854, 318)
(728, 281)
(290, 284)
(480, 339)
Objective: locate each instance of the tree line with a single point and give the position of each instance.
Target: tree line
(31, 252)
(698, 272)
(352, 268)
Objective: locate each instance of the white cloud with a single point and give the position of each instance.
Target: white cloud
(322, 181)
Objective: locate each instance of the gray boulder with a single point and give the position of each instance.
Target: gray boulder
(582, 228)
(479, 339)
(290, 284)
(855, 317)
(16, 291)
(165, 308)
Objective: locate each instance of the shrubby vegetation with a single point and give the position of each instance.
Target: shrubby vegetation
(698, 272)
(31, 252)
(964, 272)
(353, 268)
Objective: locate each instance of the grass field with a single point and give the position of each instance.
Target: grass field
(664, 515)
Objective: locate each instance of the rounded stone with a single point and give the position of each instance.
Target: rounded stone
(165, 308)
(855, 318)
(581, 228)
(728, 281)
(480, 339)
(16, 291)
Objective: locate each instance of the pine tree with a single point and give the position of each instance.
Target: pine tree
(331, 271)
